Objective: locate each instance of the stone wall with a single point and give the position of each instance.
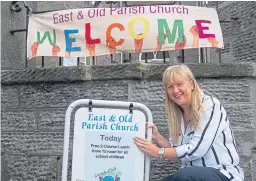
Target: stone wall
(34, 102)
(239, 34)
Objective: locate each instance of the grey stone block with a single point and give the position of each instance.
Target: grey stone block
(12, 46)
(18, 120)
(61, 95)
(156, 93)
(29, 168)
(227, 90)
(9, 96)
(22, 143)
(60, 74)
(54, 5)
(242, 116)
(150, 92)
(245, 140)
(138, 91)
(33, 119)
(159, 114)
(246, 166)
(162, 168)
(241, 30)
(160, 119)
(121, 71)
(51, 119)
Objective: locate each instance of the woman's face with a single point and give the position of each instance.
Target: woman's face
(179, 90)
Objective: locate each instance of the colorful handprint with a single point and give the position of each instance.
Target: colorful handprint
(34, 48)
(194, 32)
(159, 46)
(180, 46)
(138, 44)
(112, 49)
(55, 50)
(214, 42)
(91, 49)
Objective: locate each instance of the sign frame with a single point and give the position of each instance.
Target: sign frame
(103, 104)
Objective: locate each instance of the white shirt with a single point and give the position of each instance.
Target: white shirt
(213, 144)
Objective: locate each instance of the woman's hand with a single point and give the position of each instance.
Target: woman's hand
(146, 146)
(158, 139)
(155, 132)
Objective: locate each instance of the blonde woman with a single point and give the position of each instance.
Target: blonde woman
(200, 133)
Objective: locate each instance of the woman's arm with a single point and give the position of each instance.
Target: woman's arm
(211, 125)
(161, 141)
(152, 150)
(201, 141)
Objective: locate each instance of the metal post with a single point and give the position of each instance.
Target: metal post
(121, 5)
(146, 57)
(111, 55)
(78, 61)
(203, 4)
(199, 49)
(26, 53)
(42, 61)
(111, 58)
(94, 60)
(219, 50)
(182, 52)
(60, 61)
(164, 57)
(183, 56)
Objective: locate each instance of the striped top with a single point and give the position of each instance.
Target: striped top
(212, 144)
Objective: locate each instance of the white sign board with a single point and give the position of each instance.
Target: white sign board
(104, 149)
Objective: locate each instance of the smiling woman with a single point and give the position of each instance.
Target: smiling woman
(200, 133)
(179, 90)
(184, 97)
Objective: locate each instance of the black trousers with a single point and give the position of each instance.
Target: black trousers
(197, 174)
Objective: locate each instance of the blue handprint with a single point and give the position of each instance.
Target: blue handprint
(108, 178)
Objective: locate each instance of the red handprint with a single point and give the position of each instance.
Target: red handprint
(159, 46)
(55, 50)
(138, 44)
(194, 32)
(34, 48)
(112, 49)
(180, 46)
(91, 49)
(214, 42)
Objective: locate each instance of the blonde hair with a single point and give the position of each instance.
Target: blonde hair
(174, 111)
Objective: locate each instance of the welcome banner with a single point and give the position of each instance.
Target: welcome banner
(101, 31)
